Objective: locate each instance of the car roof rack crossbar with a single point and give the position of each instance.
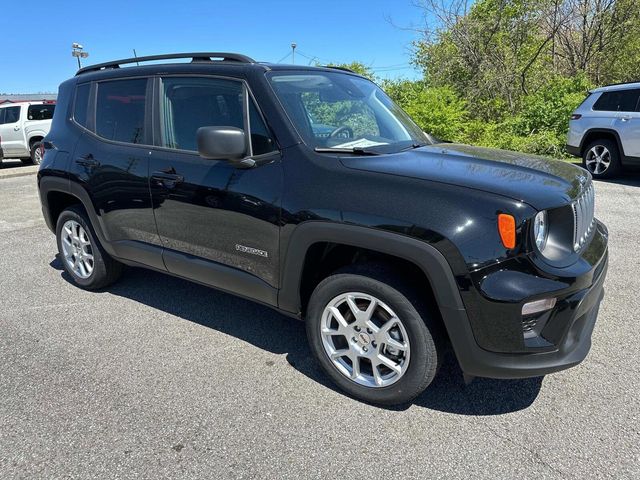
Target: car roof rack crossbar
(335, 67)
(195, 57)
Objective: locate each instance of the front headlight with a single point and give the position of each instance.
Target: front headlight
(541, 230)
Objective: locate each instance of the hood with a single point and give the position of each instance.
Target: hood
(539, 181)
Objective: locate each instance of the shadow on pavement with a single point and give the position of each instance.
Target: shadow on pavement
(269, 330)
(630, 178)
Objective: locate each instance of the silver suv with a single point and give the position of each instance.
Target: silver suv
(605, 130)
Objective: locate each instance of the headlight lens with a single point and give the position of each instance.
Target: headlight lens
(541, 229)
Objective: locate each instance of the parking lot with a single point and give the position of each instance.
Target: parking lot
(157, 377)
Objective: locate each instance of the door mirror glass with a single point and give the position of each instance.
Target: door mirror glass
(221, 143)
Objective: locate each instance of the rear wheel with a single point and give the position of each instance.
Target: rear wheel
(602, 159)
(35, 154)
(82, 256)
(370, 339)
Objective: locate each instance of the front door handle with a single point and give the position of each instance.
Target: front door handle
(87, 161)
(626, 118)
(16, 128)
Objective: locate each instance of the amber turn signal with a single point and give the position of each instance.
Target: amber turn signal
(507, 229)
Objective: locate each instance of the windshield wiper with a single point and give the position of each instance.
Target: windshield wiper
(413, 146)
(355, 150)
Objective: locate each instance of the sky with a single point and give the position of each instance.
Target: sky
(39, 59)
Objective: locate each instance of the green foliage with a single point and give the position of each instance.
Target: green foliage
(539, 127)
(437, 110)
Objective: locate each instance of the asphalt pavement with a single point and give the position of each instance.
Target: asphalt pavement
(156, 377)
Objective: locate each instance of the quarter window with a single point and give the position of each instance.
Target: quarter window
(190, 103)
(618, 101)
(120, 110)
(81, 104)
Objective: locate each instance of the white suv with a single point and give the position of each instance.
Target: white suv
(22, 128)
(605, 130)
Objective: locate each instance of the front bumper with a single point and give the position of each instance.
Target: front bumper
(492, 339)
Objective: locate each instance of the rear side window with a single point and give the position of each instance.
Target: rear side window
(9, 115)
(40, 112)
(81, 104)
(120, 108)
(618, 101)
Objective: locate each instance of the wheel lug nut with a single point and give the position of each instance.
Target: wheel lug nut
(369, 330)
(357, 329)
(374, 344)
(365, 349)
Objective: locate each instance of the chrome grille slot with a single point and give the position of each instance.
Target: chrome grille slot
(583, 219)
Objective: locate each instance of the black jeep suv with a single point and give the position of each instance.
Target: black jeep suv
(307, 189)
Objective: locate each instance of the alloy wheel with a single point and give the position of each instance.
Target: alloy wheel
(365, 340)
(77, 249)
(598, 159)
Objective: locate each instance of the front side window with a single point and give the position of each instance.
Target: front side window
(41, 112)
(9, 115)
(190, 103)
(339, 111)
(120, 108)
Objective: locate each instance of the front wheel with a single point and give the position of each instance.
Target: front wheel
(370, 339)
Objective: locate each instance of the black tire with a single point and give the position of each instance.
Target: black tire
(106, 270)
(615, 166)
(33, 158)
(425, 346)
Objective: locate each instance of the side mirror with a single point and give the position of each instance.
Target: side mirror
(221, 143)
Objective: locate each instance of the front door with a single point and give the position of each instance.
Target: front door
(212, 215)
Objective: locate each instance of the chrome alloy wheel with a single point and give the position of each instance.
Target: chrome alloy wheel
(365, 340)
(37, 156)
(598, 159)
(77, 249)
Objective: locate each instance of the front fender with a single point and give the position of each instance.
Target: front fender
(426, 257)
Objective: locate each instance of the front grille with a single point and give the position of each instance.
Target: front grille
(583, 220)
(528, 324)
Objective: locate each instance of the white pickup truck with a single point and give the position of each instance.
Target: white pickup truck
(22, 127)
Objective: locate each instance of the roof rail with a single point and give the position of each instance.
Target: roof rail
(335, 67)
(195, 57)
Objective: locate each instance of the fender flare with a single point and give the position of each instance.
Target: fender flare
(48, 184)
(425, 256)
(608, 131)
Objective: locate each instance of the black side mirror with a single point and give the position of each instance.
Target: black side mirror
(221, 143)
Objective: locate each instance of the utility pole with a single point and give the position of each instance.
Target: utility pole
(293, 53)
(77, 51)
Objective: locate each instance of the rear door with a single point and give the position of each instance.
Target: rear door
(11, 134)
(211, 213)
(111, 164)
(627, 121)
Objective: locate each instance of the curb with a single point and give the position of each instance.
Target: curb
(22, 172)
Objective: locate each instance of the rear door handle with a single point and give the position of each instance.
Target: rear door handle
(169, 176)
(16, 128)
(626, 118)
(87, 161)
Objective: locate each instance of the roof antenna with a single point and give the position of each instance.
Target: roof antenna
(135, 55)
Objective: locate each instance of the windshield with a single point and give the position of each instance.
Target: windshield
(343, 112)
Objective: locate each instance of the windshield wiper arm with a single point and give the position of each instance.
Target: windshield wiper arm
(356, 150)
